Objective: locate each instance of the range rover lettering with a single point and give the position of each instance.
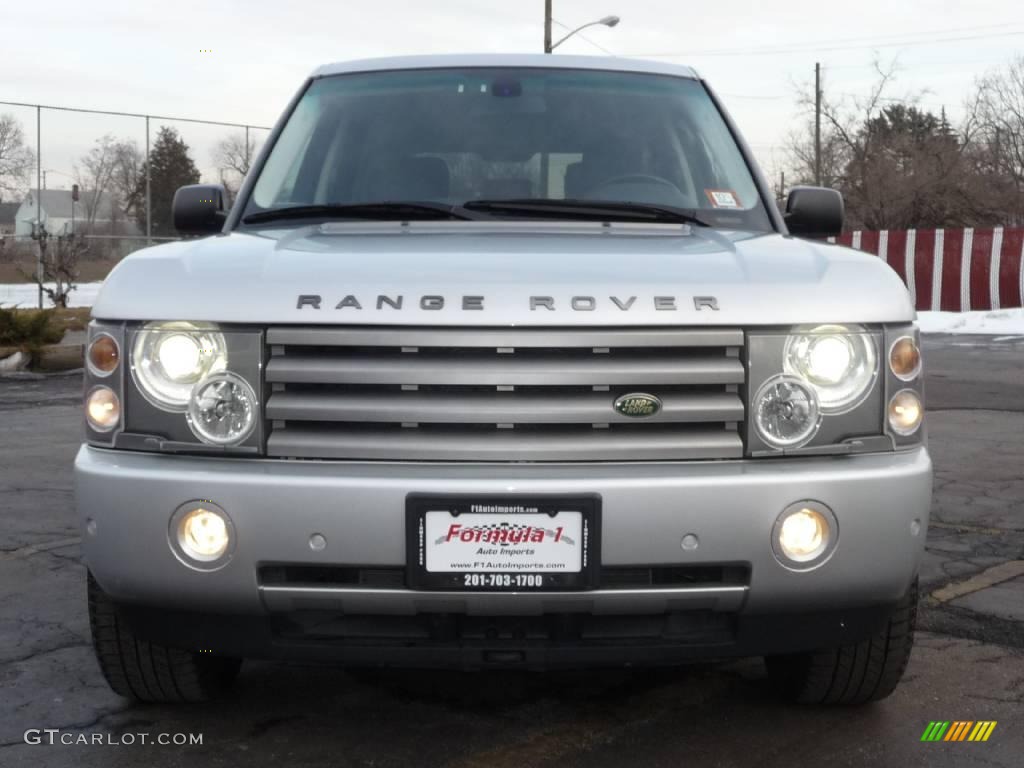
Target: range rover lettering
(503, 361)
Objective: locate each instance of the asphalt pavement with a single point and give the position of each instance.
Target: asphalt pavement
(968, 662)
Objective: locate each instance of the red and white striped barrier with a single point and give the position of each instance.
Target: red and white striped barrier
(952, 270)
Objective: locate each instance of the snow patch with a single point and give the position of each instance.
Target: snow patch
(26, 295)
(1000, 322)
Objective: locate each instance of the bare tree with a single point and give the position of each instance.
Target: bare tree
(128, 178)
(842, 118)
(997, 120)
(59, 260)
(95, 175)
(15, 158)
(897, 165)
(233, 157)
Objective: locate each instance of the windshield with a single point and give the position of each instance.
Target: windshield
(455, 136)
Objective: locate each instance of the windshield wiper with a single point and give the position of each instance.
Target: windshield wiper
(377, 211)
(603, 210)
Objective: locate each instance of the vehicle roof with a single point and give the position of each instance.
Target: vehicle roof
(434, 61)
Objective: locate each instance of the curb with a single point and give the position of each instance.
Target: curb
(61, 357)
(55, 358)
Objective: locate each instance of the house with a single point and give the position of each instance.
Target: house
(61, 215)
(8, 213)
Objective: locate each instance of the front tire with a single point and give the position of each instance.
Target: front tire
(149, 672)
(851, 674)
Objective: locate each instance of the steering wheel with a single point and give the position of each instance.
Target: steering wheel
(637, 178)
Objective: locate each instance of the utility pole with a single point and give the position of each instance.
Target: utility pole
(547, 26)
(817, 123)
(149, 198)
(39, 202)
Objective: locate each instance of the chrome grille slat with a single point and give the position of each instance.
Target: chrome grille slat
(495, 338)
(457, 394)
(500, 408)
(451, 370)
(510, 445)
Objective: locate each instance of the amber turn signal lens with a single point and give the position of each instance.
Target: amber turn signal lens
(905, 359)
(104, 355)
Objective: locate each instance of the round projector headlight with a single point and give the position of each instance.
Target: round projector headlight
(222, 409)
(169, 359)
(786, 412)
(839, 362)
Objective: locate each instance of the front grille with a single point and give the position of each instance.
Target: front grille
(502, 395)
(695, 627)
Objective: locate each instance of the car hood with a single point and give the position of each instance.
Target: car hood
(513, 273)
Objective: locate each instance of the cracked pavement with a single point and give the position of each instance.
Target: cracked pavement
(968, 661)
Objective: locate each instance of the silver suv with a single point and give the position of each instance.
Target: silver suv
(503, 361)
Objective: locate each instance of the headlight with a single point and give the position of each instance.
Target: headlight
(169, 359)
(223, 409)
(905, 412)
(102, 409)
(839, 362)
(786, 412)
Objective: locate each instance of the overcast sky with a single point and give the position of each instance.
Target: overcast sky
(145, 55)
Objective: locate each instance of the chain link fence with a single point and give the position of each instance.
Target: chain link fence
(69, 149)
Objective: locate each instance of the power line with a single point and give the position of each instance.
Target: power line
(903, 35)
(748, 96)
(827, 46)
(134, 114)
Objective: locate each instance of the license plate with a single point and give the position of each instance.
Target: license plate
(502, 544)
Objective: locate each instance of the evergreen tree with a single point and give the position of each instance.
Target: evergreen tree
(172, 168)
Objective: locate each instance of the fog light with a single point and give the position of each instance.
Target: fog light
(202, 533)
(905, 358)
(102, 409)
(905, 412)
(804, 535)
(104, 355)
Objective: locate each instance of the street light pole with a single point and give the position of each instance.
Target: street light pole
(547, 26)
(607, 21)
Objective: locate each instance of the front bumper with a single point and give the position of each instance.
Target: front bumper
(881, 502)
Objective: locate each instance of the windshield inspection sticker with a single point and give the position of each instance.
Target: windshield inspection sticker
(722, 198)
